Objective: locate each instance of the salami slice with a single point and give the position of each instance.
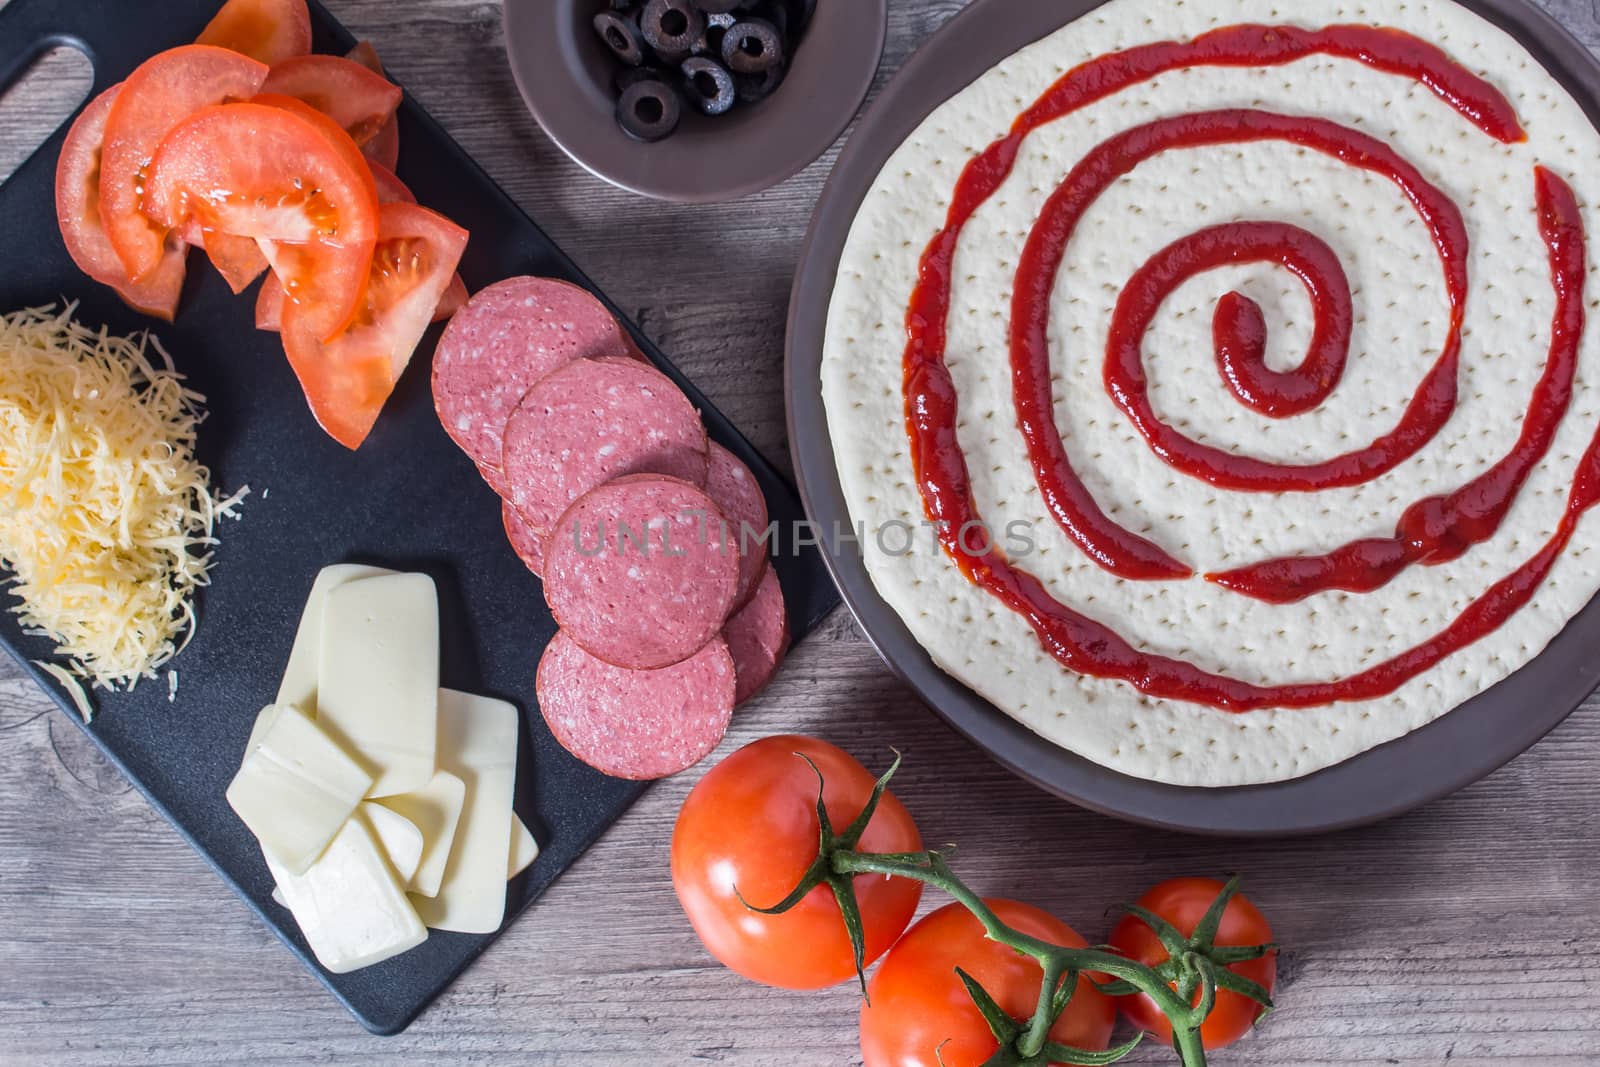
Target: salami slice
(526, 541)
(504, 340)
(636, 724)
(736, 491)
(593, 421)
(637, 573)
(758, 637)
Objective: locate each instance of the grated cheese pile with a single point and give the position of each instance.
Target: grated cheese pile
(106, 519)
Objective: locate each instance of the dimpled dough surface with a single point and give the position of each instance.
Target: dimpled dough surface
(1401, 318)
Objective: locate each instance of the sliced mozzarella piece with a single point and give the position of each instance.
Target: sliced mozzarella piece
(400, 837)
(378, 680)
(295, 789)
(350, 905)
(436, 811)
(299, 685)
(478, 744)
(524, 849)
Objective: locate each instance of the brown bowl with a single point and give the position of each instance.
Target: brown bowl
(566, 77)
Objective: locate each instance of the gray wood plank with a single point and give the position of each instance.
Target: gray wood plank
(1468, 932)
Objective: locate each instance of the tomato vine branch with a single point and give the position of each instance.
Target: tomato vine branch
(1184, 987)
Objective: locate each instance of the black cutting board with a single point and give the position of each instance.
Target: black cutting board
(408, 499)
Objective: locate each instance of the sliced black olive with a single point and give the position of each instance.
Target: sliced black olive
(754, 88)
(751, 46)
(710, 42)
(709, 85)
(672, 27)
(717, 7)
(649, 110)
(621, 35)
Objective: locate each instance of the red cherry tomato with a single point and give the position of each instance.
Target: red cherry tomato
(919, 1014)
(347, 380)
(277, 172)
(269, 31)
(78, 213)
(160, 94)
(750, 827)
(1182, 902)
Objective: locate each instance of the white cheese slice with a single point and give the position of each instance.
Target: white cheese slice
(436, 810)
(299, 685)
(378, 680)
(295, 789)
(400, 837)
(259, 730)
(397, 835)
(524, 849)
(350, 905)
(478, 744)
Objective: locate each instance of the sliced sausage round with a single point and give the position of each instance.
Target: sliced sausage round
(637, 573)
(636, 724)
(505, 339)
(525, 540)
(592, 421)
(736, 491)
(758, 637)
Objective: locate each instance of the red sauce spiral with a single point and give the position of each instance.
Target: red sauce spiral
(1431, 531)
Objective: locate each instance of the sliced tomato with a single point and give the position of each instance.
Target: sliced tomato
(454, 297)
(238, 259)
(347, 92)
(347, 380)
(269, 303)
(391, 190)
(78, 214)
(365, 54)
(383, 149)
(281, 174)
(270, 31)
(161, 93)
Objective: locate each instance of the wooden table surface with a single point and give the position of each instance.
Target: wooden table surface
(1468, 932)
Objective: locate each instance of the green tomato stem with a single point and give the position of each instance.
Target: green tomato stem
(1055, 960)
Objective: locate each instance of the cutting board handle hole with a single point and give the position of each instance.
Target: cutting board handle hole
(36, 104)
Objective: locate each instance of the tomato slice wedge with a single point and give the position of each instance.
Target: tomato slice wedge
(391, 190)
(384, 149)
(287, 177)
(270, 31)
(78, 214)
(237, 259)
(347, 92)
(161, 93)
(347, 380)
(367, 55)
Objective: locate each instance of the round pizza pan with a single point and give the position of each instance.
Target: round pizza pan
(1449, 753)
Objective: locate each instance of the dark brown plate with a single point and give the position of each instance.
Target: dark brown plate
(565, 76)
(1451, 752)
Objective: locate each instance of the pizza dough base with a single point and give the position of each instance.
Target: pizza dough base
(1397, 287)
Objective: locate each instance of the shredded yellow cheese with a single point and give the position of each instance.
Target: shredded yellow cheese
(106, 519)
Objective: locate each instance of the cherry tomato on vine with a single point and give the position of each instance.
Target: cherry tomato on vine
(919, 1014)
(1182, 902)
(750, 828)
